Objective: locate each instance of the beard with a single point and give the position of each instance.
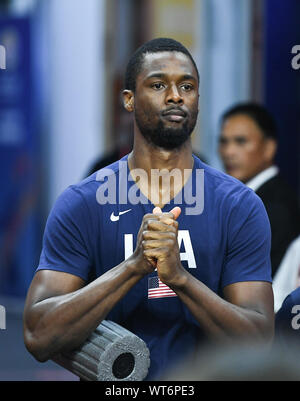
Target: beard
(166, 137)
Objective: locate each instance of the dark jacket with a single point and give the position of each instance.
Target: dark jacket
(283, 210)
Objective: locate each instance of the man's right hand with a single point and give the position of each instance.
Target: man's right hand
(143, 265)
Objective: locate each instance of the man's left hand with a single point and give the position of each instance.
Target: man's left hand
(161, 245)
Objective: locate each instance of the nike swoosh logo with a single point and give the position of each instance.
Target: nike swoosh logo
(116, 218)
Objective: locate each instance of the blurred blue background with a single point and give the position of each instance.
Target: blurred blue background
(60, 109)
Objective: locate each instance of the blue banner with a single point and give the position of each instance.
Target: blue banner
(19, 148)
(282, 82)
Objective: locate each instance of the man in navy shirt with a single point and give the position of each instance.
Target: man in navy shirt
(159, 242)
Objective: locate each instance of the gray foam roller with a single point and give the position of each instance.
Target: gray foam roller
(110, 353)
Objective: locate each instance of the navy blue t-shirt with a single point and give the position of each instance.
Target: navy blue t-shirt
(224, 238)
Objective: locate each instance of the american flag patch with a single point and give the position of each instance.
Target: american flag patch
(157, 289)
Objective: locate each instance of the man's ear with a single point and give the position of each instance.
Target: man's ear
(270, 149)
(128, 100)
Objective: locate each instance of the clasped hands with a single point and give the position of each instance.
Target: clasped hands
(157, 246)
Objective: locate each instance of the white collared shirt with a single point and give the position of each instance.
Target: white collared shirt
(262, 177)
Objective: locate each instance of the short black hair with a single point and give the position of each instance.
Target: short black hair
(135, 63)
(258, 113)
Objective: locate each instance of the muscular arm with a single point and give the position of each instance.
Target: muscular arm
(61, 311)
(245, 312)
(247, 308)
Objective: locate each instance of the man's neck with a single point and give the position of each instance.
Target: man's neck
(155, 161)
(147, 156)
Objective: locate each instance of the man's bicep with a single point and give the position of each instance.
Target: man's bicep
(252, 295)
(50, 283)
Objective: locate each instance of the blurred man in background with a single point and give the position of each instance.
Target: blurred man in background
(247, 146)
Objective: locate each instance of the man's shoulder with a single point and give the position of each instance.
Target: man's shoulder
(83, 194)
(278, 190)
(276, 184)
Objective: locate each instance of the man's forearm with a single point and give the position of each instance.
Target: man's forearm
(220, 319)
(63, 322)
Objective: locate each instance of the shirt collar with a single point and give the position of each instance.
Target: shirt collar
(262, 177)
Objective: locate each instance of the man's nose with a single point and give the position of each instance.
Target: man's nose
(174, 96)
(228, 150)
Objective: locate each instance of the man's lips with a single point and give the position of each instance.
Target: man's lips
(175, 115)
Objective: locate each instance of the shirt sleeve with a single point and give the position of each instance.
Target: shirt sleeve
(249, 242)
(65, 238)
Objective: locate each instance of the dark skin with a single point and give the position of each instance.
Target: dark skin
(62, 310)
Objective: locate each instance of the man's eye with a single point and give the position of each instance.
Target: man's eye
(187, 87)
(157, 85)
(240, 141)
